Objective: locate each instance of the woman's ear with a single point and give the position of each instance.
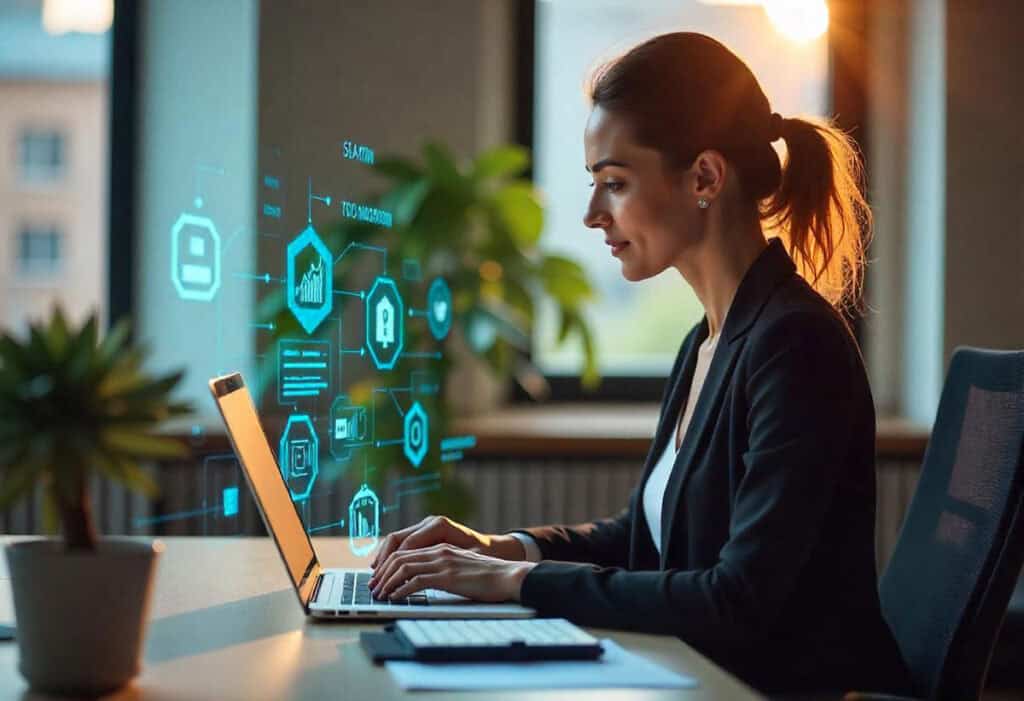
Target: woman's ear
(709, 169)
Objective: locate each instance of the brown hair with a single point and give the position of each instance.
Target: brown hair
(685, 92)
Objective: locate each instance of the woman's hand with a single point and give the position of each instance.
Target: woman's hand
(464, 572)
(434, 530)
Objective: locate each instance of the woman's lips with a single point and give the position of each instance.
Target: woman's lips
(617, 246)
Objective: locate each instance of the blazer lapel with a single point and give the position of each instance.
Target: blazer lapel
(679, 386)
(770, 268)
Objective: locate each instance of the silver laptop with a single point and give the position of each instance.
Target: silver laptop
(323, 593)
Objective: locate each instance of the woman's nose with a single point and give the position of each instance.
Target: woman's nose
(596, 218)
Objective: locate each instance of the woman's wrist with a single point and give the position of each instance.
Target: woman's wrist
(517, 575)
(506, 547)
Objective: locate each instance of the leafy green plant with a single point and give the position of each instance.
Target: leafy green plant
(71, 405)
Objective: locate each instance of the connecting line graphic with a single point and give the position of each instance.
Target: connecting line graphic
(365, 247)
(268, 326)
(436, 355)
(361, 294)
(150, 520)
(391, 392)
(408, 486)
(419, 312)
(265, 278)
(352, 351)
(310, 196)
(324, 527)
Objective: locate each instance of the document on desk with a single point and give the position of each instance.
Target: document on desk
(616, 668)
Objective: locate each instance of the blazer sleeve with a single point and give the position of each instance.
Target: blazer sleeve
(604, 542)
(799, 416)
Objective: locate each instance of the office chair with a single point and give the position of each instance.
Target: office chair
(960, 551)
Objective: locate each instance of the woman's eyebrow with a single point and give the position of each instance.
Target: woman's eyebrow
(605, 162)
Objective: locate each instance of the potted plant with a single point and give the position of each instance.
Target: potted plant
(72, 406)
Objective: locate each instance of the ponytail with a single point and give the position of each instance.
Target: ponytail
(819, 209)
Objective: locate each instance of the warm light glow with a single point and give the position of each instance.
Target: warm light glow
(62, 16)
(798, 20)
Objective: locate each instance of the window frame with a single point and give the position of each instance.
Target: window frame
(847, 65)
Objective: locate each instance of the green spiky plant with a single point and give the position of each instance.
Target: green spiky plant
(72, 405)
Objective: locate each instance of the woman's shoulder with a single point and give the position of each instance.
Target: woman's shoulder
(797, 315)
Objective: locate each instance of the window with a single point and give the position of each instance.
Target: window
(638, 327)
(41, 155)
(39, 251)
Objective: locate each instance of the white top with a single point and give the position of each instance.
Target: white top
(654, 490)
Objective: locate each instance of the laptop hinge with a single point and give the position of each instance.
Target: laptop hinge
(305, 578)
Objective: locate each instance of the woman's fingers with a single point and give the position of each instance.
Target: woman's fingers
(419, 583)
(403, 573)
(385, 571)
(394, 540)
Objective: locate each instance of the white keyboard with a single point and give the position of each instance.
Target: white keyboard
(465, 639)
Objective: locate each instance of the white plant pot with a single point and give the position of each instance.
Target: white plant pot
(81, 615)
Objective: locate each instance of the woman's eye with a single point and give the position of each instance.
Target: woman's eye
(611, 185)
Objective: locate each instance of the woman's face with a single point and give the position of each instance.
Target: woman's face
(648, 212)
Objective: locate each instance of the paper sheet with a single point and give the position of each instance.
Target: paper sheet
(616, 668)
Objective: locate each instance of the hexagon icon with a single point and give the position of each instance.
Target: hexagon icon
(195, 257)
(310, 291)
(385, 323)
(299, 456)
(416, 435)
(439, 308)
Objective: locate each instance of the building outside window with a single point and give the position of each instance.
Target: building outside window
(53, 166)
(41, 155)
(39, 251)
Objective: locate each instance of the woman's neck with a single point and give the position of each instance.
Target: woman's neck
(715, 268)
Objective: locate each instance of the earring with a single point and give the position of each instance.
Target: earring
(703, 203)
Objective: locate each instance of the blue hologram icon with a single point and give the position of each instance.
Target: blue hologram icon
(363, 521)
(303, 369)
(299, 456)
(416, 434)
(348, 427)
(195, 258)
(439, 308)
(309, 291)
(229, 500)
(385, 323)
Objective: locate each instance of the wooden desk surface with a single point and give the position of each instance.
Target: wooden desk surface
(225, 624)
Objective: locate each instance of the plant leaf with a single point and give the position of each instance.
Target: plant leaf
(519, 210)
(501, 161)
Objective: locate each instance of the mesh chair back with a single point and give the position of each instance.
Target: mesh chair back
(945, 591)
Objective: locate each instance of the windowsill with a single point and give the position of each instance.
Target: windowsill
(605, 430)
(583, 430)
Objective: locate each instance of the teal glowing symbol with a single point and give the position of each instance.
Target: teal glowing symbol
(195, 258)
(363, 521)
(439, 308)
(385, 323)
(416, 434)
(310, 273)
(299, 456)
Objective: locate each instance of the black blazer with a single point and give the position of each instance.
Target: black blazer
(767, 562)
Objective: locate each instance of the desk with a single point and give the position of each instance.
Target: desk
(225, 625)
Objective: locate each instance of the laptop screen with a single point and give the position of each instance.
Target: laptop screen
(268, 486)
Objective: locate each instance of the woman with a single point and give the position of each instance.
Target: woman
(751, 534)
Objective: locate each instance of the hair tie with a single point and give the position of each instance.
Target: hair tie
(774, 126)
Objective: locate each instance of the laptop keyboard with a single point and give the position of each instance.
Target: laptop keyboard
(355, 591)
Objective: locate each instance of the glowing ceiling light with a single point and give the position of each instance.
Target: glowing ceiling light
(62, 16)
(798, 20)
